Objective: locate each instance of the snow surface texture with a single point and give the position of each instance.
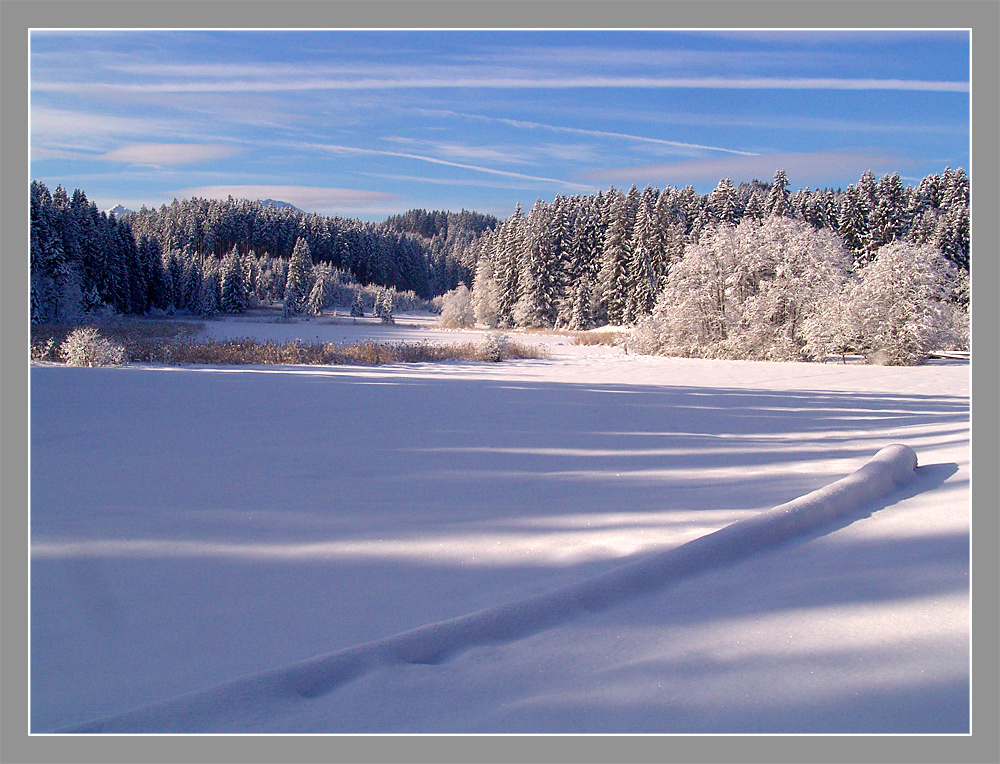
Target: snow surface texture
(220, 528)
(227, 706)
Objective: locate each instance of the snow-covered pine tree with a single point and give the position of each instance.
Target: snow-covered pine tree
(541, 263)
(585, 256)
(888, 217)
(954, 238)
(776, 204)
(358, 306)
(209, 295)
(560, 261)
(798, 202)
(174, 275)
(851, 224)
(192, 286)
(114, 286)
(582, 318)
(386, 307)
(723, 204)
(151, 262)
(613, 281)
(297, 282)
(321, 294)
(88, 222)
(754, 207)
(45, 253)
(234, 297)
(688, 210)
(641, 286)
(866, 189)
(658, 240)
(251, 276)
(506, 267)
(135, 275)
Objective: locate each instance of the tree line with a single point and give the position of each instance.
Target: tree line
(208, 256)
(692, 269)
(584, 261)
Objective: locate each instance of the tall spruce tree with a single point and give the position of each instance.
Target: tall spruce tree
(234, 297)
(614, 276)
(641, 288)
(777, 204)
(297, 283)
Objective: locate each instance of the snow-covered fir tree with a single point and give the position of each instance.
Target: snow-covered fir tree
(234, 294)
(777, 201)
(614, 274)
(297, 282)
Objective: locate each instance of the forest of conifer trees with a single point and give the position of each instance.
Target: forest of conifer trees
(573, 263)
(584, 261)
(206, 256)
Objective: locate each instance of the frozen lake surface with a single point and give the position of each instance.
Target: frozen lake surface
(198, 532)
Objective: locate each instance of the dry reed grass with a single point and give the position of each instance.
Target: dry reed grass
(173, 343)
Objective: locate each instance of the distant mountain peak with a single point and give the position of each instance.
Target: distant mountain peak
(278, 204)
(118, 211)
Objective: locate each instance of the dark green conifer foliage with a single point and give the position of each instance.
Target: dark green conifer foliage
(297, 283)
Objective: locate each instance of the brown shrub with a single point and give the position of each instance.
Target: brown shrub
(599, 338)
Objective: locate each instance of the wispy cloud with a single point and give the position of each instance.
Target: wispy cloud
(350, 150)
(474, 182)
(92, 130)
(308, 198)
(459, 79)
(459, 150)
(520, 123)
(800, 167)
(49, 122)
(160, 154)
(39, 153)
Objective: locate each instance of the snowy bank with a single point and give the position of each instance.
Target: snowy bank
(250, 700)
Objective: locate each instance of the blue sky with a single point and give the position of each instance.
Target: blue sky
(371, 123)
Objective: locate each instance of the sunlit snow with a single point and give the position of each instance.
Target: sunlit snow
(204, 539)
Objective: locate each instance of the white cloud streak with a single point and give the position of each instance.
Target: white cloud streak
(350, 150)
(308, 198)
(520, 123)
(797, 165)
(392, 81)
(53, 123)
(458, 150)
(159, 154)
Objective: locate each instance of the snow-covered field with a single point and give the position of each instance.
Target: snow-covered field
(226, 549)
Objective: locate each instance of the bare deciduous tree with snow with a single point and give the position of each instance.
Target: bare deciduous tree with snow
(456, 308)
(751, 291)
(906, 303)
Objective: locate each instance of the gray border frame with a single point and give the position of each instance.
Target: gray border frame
(981, 16)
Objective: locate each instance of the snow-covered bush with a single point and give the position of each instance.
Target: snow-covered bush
(493, 346)
(485, 294)
(746, 292)
(906, 303)
(86, 347)
(456, 308)
(45, 351)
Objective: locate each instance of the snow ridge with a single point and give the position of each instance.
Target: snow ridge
(244, 703)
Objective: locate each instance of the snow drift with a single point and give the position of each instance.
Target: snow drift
(251, 699)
